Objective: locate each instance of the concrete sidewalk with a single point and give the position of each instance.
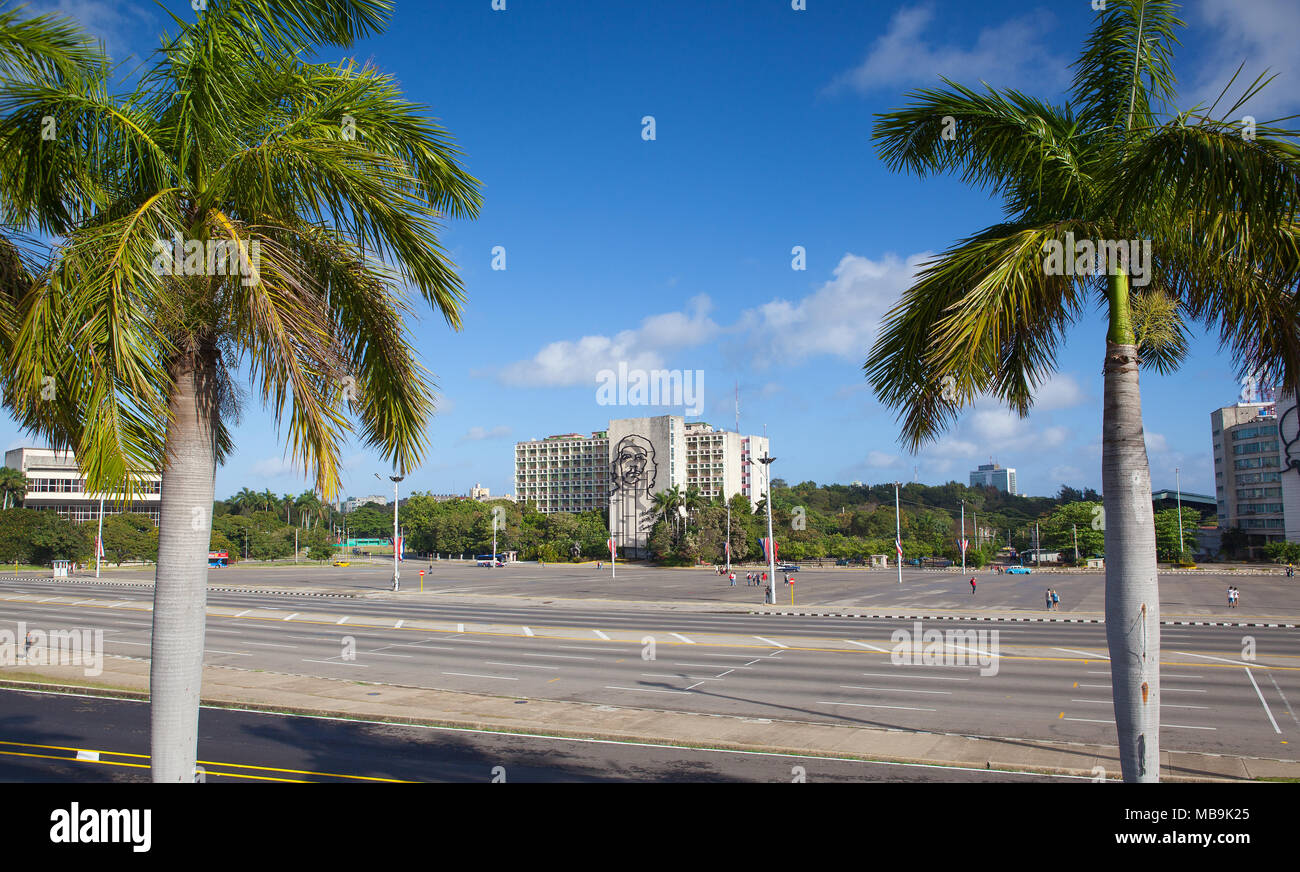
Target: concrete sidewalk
(297, 694)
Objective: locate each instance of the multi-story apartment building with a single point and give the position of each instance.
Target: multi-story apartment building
(1289, 434)
(55, 483)
(623, 467)
(1248, 470)
(993, 475)
(351, 504)
(564, 473)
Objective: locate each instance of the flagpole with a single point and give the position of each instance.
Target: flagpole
(99, 538)
(963, 537)
(898, 533)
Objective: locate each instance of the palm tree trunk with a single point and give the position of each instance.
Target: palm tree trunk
(1132, 589)
(180, 593)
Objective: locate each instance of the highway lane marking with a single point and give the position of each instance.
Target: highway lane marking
(894, 689)
(927, 677)
(868, 705)
(588, 648)
(1220, 659)
(475, 675)
(1084, 653)
(729, 671)
(1284, 700)
(291, 617)
(711, 665)
(1162, 726)
(683, 638)
(527, 632)
(695, 685)
(771, 642)
(244, 612)
(398, 625)
(520, 665)
(644, 689)
(557, 656)
(1163, 705)
(421, 645)
(333, 662)
(124, 642)
(460, 628)
(601, 635)
(271, 645)
(865, 645)
(216, 651)
(342, 619)
(382, 654)
(1262, 702)
(807, 648)
(752, 662)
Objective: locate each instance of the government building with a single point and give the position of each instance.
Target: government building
(621, 468)
(55, 483)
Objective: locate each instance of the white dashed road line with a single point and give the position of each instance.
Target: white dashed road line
(1251, 675)
(683, 638)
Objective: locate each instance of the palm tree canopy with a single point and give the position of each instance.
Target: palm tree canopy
(1114, 163)
(327, 184)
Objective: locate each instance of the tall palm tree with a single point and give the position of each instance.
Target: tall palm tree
(1218, 204)
(243, 502)
(230, 137)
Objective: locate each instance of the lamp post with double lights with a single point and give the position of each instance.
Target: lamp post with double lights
(396, 539)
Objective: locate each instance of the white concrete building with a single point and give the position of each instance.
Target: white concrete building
(1289, 436)
(1248, 470)
(55, 483)
(351, 504)
(993, 475)
(621, 469)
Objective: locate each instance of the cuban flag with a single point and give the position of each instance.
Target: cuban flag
(401, 545)
(898, 546)
(99, 547)
(965, 543)
(771, 548)
(612, 548)
(727, 548)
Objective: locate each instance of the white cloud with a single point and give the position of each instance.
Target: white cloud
(477, 434)
(1012, 53)
(1261, 34)
(882, 460)
(567, 363)
(1061, 392)
(840, 318)
(124, 28)
(275, 467)
(1156, 443)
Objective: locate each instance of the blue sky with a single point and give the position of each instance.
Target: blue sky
(676, 252)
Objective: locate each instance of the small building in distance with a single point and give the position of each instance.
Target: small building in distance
(55, 483)
(994, 475)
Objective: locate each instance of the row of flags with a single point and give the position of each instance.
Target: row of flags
(775, 549)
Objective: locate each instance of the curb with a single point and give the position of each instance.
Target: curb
(1017, 619)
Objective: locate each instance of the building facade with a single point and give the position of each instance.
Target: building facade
(1289, 435)
(1248, 471)
(993, 475)
(55, 483)
(351, 504)
(621, 468)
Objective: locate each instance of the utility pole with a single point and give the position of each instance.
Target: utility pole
(396, 536)
(962, 543)
(1038, 546)
(898, 535)
(1075, 527)
(1179, 485)
(99, 537)
(771, 546)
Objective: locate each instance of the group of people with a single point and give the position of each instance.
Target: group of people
(1053, 599)
(1233, 596)
(1290, 571)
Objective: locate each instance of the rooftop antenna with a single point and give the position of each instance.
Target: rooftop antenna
(916, 474)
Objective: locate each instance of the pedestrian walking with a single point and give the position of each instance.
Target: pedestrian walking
(1056, 601)
(1236, 596)
(1229, 596)
(1047, 598)
(28, 643)
(764, 579)
(733, 579)
(972, 586)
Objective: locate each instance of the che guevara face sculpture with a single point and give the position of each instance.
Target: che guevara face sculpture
(634, 469)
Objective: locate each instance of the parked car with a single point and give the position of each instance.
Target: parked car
(1019, 570)
(843, 561)
(789, 567)
(342, 562)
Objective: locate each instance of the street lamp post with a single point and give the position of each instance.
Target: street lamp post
(396, 538)
(771, 546)
(1179, 485)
